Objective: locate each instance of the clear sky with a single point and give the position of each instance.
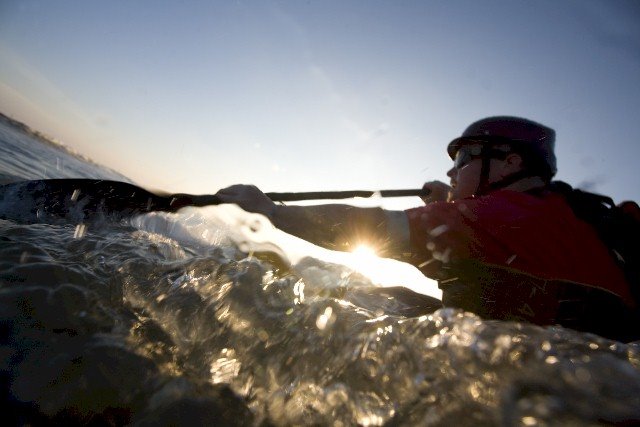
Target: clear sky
(191, 96)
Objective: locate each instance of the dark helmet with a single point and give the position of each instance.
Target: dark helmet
(535, 142)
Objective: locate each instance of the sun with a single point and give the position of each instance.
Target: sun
(388, 272)
(364, 252)
(364, 259)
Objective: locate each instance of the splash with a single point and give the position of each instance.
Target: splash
(253, 233)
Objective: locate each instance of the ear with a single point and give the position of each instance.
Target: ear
(511, 164)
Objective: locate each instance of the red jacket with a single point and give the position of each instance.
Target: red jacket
(534, 234)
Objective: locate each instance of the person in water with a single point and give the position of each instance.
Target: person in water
(500, 240)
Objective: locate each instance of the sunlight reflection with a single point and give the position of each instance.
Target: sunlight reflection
(225, 368)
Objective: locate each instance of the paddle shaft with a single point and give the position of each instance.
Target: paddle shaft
(88, 199)
(205, 200)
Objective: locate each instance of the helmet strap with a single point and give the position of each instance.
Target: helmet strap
(483, 184)
(485, 187)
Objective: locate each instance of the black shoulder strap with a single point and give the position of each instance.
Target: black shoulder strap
(591, 207)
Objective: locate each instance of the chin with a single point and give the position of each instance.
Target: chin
(456, 194)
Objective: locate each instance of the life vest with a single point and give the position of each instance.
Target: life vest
(562, 271)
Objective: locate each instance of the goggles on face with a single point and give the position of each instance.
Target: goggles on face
(467, 153)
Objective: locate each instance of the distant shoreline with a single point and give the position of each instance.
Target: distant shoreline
(53, 142)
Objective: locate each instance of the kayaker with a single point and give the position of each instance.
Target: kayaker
(501, 240)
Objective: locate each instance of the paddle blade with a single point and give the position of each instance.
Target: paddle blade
(77, 200)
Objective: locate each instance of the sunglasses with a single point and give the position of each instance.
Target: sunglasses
(467, 153)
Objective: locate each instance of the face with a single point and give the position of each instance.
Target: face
(465, 176)
(464, 180)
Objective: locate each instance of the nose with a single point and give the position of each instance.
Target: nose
(451, 172)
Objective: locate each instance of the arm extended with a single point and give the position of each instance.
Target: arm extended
(333, 226)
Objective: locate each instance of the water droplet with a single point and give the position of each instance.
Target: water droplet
(436, 231)
(80, 231)
(323, 319)
(551, 360)
(263, 335)
(255, 226)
